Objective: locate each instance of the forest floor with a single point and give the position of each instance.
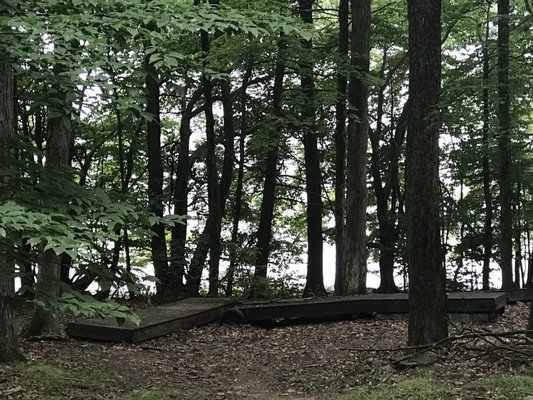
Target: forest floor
(314, 362)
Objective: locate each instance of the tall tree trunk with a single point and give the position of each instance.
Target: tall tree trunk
(264, 230)
(44, 320)
(9, 349)
(237, 202)
(180, 199)
(181, 193)
(504, 122)
(427, 275)
(314, 285)
(487, 194)
(212, 240)
(166, 283)
(217, 192)
(340, 139)
(225, 184)
(354, 271)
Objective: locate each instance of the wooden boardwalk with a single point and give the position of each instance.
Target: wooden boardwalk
(485, 306)
(169, 318)
(155, 321)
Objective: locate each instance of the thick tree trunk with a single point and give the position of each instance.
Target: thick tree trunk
(427, 283)
(9, 350)
(340, 140)
(166, 285)
(487, 193)
(354, 271)
(314, 285)
(504, 122)
(44, 321)
(264, 230)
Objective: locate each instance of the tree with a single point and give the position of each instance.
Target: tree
(58, 140)
(264, 230)
(487, 195)
(340, 141)
(427, 285)
(504, 145)
(314, 284)
(353, 277)
(9, 350)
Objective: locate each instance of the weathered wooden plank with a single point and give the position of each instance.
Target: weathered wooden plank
(155, 321)
(465, 302)
(517, 294)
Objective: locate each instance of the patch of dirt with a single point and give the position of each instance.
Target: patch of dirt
(311, 362)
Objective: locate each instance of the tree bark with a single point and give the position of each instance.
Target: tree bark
(314, 285)
(354, 271)
(9, 349)
(504, 144)
(427, 276)
(340, 140)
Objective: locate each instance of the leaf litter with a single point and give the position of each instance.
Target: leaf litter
(307, 362)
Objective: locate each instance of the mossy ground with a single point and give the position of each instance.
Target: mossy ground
(427, 387)
(51, 382)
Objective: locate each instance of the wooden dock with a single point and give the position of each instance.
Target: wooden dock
(483, 305)
(155, 321)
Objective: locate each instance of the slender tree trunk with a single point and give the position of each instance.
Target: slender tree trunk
(165, 286)
(314, 285)
(225, 185)
(9, 349)
(340, 140)
(427, 276)
(237, 202)
(181, 193)
(504, 121)
(487, 194)
(355, 246)
(264, 230)
(217, 192)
